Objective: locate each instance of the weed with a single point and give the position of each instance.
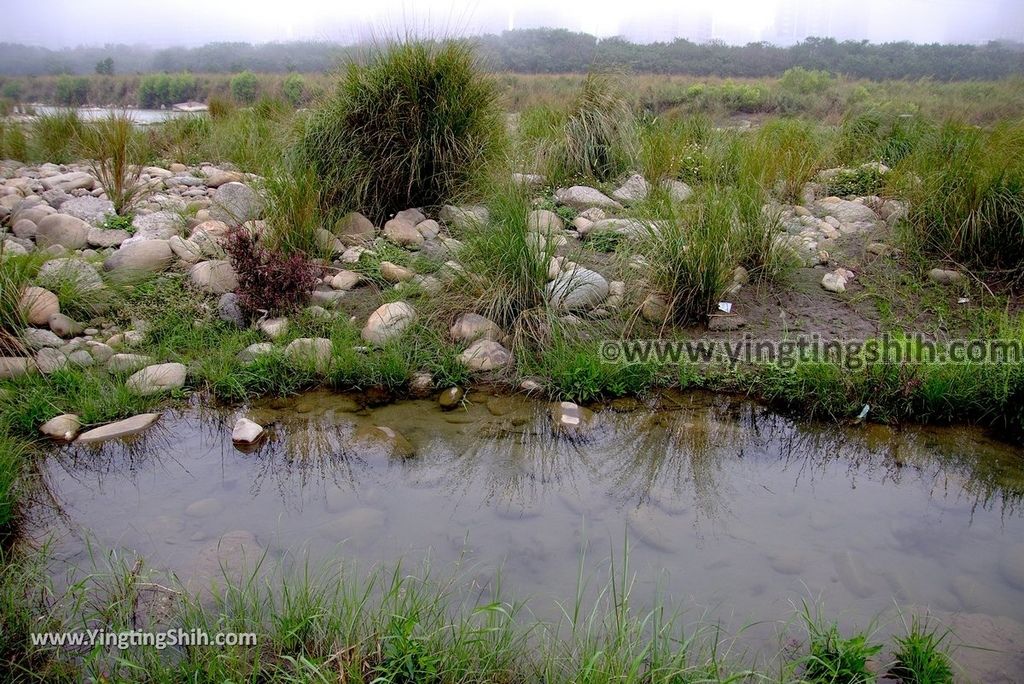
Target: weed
(920, 658)
(116, 153)
(268, 280)
(836, 659)
(53, 136)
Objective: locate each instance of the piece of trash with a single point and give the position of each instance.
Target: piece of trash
(725, 307)
(863, 413)
(963, 300)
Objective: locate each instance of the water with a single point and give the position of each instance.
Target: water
(731, 510)
(139, 116)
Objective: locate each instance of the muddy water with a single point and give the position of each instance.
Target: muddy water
(728, 508)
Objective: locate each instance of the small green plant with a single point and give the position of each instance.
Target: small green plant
(116, 153)
(833, 658)
(604, 240)
(920, 656)
(412, 127)
(866, 179)
(119, 222)
(292, 206)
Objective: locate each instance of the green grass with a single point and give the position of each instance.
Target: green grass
(116, 151)
(53, 137)
(834, 658)
(411, 127)
(921, 657)
(965, 187)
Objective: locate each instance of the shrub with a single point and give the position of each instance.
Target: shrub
(163, 90)
(965, 187)
(806, 81)
(116, 152)
(245, 87)
(268, 280)
(72, 91)
(293, 88)
(866, 179)
(412, 127)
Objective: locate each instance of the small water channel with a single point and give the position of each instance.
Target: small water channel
(728, 508)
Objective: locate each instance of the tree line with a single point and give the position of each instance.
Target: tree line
(549, 51)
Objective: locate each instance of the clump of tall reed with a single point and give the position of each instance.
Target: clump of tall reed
(116, 151)
(411, 127)
(965, 189)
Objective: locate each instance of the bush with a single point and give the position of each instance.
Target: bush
(293, 88)
(245, 87)
(410, 128)
(164, 90)
(806, 81)
(268, 280)
(72, 91)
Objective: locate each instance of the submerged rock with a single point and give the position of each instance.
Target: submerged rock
(246, 432)
(121, 428)
(395, 443)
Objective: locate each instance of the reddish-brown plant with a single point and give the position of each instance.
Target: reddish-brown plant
(268, 280)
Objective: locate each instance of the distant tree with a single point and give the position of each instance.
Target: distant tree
(105, 67)
(72, 91)
(294, 89)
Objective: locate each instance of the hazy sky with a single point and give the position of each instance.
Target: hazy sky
(58, 23)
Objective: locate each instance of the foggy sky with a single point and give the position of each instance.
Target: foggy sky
(62, 23)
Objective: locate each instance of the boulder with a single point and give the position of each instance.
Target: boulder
(579, 288)
(65, 326)
(582, 197)
(485, 355)
(845, 211)
(393, 273)
(346, 280)
(214, 277)
(246, 432)
(310, 351)
(137, 260)
(101, 237)
(24, 229)
(40, 338)
(235, 203)
(158, 225)
(229, 310)
(273, 328)
(429, 229)
(15, 366)
(249, 355)
(393, 441)
(50, 360)
(471, 326)
(834, 282)
(945, 277)
(63, 427)
(122, 428)
(402, 233)
(463, 218)
(677, 190)
(64, 230)
(161, 377)
(92, 210)
(544, 221)
(67, 182)
(388, 321)
(635, 189)
(74, 273)
(37, 305)
(354, 229)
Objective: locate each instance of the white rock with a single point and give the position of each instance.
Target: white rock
(246, 431)
(485, 355)
(121, 428)
(63, 427)
(387, 322)
(156, 379)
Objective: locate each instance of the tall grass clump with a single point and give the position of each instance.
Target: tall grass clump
(879, 134)
(965, 187)
(667, 145)
(292, 207)
(13, 142)
(13, 456)
(920, 656)
(116, 152)
(411, 127)
(782, 156)
(757, 233)
(595, 137)
(505, 262)
(691, 256)
(53, 136)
